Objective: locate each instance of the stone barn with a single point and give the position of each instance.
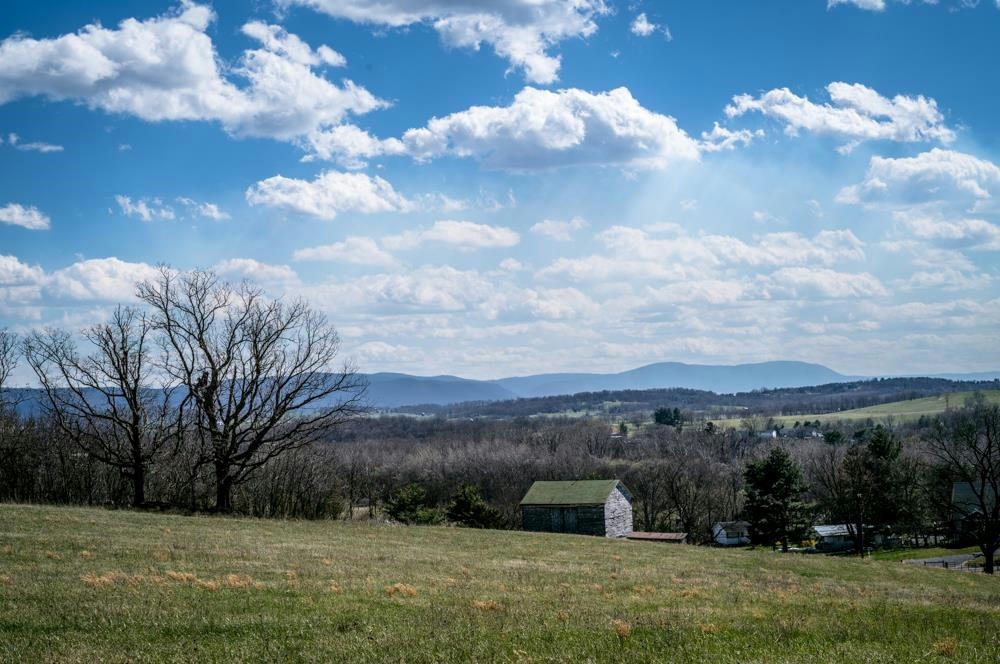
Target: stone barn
(584, 507)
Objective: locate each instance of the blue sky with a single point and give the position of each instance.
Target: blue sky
(507, 187)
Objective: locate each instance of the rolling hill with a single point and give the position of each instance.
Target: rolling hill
(92, 585)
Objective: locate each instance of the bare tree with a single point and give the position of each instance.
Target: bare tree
(968, 443)
(259, 373)
(106, 401)
(8, 362)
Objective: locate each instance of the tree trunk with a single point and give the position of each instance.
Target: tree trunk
(784, 543)
(138, 486)
(988, 553)
(223, 489)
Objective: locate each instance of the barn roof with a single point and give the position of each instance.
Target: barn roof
(572, 492)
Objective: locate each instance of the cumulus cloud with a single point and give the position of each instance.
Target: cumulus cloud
(543, 129)
(99, 279)
(559, 230)
(813, 282)
(254, 270)
(521, 31)
(425, 289)
(465, 234)
(976, 233)
(329, 194)
(936, 176)
(28, 217)
(721, 138)
(206, 210)
(167, 68)
(146, 209)
(855, 113)
(642, 27)
(356, 250)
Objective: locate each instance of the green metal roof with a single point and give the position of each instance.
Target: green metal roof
(573, 492)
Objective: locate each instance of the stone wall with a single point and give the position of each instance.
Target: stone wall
(617, 515)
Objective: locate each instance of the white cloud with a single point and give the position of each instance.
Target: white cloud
(642, 27)
(425, 289)
(35, 146)
(855, 112)
(935, 176)
(559, 230)
(465, 234)
(99, 279)
(870, 5)
(249, 268)
(166, 68)
(356, 250)
(277, 40)
(15, 273)
(544, 129)
(812, 282)
(329, 194)
(522, 31)
(145, 209)
(207, 210)
(721, 138)
(511, 265)
(28, 217)
(977, 233)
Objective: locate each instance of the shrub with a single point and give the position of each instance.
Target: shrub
(468, 509)
(411, 505)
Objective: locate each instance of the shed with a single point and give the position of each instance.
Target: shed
(672, 538)
(731, 533)
(835, 537)
(585, 507)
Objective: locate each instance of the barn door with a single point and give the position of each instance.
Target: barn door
(557, 519)
(569, 520)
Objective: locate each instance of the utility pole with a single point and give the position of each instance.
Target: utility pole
(861, 526)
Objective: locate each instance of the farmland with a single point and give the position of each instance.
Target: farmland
(908, 410)
(79, 584)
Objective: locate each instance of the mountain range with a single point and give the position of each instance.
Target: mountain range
(391, 390)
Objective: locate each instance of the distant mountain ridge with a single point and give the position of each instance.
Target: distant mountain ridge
(392, 390)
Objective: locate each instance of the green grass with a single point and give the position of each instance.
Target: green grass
(911, 409)
(87, 585)
(929, 552)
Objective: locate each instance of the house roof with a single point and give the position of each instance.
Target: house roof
(732, 525)
(964, 500)
(572, 492)
(832, 530)
(658, 537)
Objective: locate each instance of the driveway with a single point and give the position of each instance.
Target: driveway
(948, 562)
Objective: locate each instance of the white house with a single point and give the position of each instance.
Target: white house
(731, 533)
(833, 537)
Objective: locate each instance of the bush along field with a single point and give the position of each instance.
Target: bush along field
(87, 585)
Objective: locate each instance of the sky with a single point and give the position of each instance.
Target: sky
(507, 187)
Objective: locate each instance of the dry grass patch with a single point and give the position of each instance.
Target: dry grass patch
(621, 629)
(205, 584)
(335, 588)
(487, 605)
(86, 555)
(946, 647)
(5, 580)
(182, 577)
(237, 580)
(401, 589)
(708, 628)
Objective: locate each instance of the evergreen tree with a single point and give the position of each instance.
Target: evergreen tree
(774, 505)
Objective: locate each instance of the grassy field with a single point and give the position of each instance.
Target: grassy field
(897, 410)
(87, 585)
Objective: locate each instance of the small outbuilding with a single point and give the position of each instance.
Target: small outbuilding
(834, 537)
(584, 507)
(670, 538)
(731, 533)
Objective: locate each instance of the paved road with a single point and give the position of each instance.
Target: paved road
(956, 560)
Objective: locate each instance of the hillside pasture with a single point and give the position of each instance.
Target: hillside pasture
(898, 411)
(86, 585)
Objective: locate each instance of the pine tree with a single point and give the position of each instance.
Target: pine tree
(774, 505)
